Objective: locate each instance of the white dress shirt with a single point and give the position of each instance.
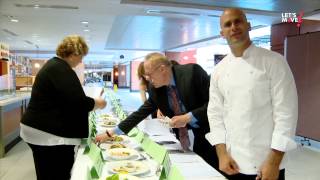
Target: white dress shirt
(253, 107)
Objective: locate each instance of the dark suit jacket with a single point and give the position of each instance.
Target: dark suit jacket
(58, 104)
(192, 83)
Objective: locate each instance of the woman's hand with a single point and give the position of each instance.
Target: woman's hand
(99, 103)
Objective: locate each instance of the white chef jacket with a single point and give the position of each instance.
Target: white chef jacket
(253, 107)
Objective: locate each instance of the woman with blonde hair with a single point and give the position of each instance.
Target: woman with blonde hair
(143, 86)
(57, 115)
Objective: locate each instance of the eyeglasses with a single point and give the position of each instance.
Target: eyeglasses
(149, 75)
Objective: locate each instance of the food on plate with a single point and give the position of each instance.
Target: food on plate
(110, 123)
(114, 139)
(128, 167)
(113, 145)
(120, 153)
(118, 138)
(105, 115)
(117, 145)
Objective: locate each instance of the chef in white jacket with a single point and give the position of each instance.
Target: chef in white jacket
(252, 109)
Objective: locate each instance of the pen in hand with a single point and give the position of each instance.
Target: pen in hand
(107, 132)
(102, 91)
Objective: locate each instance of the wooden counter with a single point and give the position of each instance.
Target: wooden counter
(11, 111)
(24, 81)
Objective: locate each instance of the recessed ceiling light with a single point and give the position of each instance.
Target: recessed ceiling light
(14, 20)
(36, 6)
(37, 65)
(153, 11)
(84, 22)
(86, 30)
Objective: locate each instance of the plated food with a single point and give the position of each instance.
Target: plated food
(109, 123)
(122, 154)
(112, 146)
(117, 145)
(116, 139)
(128, 167)
(107, 118)
(105, 115)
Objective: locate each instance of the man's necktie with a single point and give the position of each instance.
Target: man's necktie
(183, 131)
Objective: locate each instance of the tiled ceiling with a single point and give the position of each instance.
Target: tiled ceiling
(129, 27)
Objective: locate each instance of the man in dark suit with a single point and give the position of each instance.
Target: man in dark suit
(191, 84)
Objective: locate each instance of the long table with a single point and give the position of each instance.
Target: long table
(190, 164)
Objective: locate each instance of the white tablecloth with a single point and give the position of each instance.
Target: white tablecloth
(190, 164)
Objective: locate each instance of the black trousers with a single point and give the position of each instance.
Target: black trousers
(53, 162)
(253, 177)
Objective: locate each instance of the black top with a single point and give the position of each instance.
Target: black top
(192, 83)
(58, 104)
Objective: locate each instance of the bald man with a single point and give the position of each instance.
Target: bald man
(252, 110)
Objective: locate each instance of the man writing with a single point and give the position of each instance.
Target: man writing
(252, 108)
(181, 93)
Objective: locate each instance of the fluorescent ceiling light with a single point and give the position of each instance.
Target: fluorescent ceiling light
(14, 20)
(152, 11)
(37, 65)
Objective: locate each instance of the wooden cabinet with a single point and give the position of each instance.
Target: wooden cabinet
(11, 111)
(279, 32)
(303, 55)
(24, 81)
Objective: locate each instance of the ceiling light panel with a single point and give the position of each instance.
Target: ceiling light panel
(46, 6)
(10, 32)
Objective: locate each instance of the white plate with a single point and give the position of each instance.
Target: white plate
(122, 154)
(105, 116)
(125, 139)
(108, 118)
(109, 146)
(128, 167)
(106, 123)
